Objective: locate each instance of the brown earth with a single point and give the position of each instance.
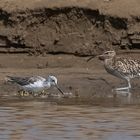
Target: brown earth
(42, 37)
(71, 27)
(76, 75)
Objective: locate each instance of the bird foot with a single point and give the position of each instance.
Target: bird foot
(125, 89)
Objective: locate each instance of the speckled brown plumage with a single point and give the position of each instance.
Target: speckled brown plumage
(124, 68)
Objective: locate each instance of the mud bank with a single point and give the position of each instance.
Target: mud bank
(84, 79)
(44, 37)
(70, 27)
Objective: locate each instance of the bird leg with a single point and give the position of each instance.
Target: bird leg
(125, 88)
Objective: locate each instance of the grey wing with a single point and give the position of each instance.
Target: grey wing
(21, 80)
(36, 78)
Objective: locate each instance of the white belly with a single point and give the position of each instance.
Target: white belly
(35, 87)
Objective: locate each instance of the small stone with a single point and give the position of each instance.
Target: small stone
(40, 66)
(67, 94)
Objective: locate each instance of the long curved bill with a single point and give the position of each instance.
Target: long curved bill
(91, 57)
(59, 89)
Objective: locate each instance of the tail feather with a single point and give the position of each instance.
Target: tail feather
(19, 80)
(8, 79)
(12, 79)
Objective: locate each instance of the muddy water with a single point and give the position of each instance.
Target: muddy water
(42, 120)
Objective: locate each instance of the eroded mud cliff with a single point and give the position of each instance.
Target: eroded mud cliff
(67, 29)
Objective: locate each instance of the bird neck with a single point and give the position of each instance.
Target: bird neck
(109, 61)
(47, 84)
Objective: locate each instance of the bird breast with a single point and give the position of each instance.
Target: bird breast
(36, 84)
(109, 65)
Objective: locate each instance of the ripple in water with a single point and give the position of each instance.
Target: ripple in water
(34, 120)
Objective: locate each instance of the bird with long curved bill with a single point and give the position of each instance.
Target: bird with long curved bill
(124, 68)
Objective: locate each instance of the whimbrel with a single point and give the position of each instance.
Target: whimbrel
(120, 67)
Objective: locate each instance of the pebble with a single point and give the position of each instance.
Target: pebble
(68, 94)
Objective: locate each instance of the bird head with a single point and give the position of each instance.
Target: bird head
(53, 81)
(107, 55)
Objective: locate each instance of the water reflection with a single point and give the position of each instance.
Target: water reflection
(41, 120)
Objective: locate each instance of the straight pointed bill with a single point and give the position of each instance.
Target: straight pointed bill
(59, 89)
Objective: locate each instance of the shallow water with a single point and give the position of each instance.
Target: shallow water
(107, 119)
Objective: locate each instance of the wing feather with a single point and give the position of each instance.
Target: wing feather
(25, 80)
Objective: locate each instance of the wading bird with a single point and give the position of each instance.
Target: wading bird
(124, 68)
(35, 84)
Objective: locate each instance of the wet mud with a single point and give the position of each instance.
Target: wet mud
(44, 37)
(85, 80)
